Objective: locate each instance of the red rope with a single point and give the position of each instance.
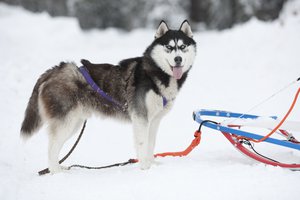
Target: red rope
(185, 152)
(195, 142)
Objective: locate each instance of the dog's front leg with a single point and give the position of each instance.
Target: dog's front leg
(152, 136)
(141, 136)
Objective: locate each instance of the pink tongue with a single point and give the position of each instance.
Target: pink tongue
(177, 72)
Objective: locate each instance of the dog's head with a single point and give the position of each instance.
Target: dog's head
(173, 50)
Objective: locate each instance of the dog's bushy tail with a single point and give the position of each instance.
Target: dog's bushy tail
(32, 120)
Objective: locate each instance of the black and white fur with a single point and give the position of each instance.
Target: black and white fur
(62, 98)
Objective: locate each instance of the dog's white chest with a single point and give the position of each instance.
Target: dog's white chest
(170, 91)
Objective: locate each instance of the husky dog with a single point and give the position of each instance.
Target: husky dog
(145, 86)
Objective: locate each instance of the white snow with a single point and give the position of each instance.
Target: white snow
(234, 70)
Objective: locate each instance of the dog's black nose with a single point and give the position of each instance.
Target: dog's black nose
(178, 60)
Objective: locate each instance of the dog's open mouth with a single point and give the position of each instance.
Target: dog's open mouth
(177, 72)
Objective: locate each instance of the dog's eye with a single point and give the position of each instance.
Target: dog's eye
(169, 47)
(182, 47)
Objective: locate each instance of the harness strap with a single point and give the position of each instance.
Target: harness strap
(165, 101)
(84, 71)
(92, 83)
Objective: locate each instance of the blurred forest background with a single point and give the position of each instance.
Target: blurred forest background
(131, 14)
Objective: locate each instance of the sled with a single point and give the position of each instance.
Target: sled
(231, 129)
(231, 123)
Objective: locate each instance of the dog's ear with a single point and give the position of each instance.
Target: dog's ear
(186, 28)
(162, 29)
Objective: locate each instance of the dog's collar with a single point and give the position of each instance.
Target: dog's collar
(84, 71)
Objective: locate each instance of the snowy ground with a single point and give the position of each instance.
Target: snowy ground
(234, 70)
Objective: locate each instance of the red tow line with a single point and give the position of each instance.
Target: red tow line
(195, 142)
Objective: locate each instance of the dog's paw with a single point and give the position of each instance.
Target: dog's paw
(145, 164)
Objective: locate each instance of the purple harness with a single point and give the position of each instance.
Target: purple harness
(95, 87)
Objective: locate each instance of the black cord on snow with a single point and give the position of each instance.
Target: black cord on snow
(130, 161)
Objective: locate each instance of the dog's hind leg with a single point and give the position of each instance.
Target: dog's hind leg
(59, 133)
